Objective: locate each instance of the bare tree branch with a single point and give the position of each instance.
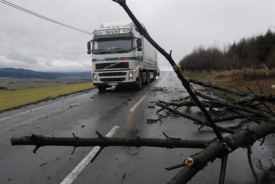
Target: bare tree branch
(195, 119)
(209, 84)
(40, 141)
(218, 149)
(247, 98)
(249, 152)
(223, 169)
(185, 83)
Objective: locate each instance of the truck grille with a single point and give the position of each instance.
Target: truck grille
(112, 74)
(104, 65)
(112, 79)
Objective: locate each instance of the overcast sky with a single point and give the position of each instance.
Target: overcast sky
(32, 43)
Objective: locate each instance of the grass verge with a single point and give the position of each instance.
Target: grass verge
(235, 79)
(17, 98)
(220, 78)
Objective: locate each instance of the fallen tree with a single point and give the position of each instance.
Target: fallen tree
(249, 106)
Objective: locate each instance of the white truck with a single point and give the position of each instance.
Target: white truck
(121, 56)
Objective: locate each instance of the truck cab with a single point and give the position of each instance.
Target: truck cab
(121, 56)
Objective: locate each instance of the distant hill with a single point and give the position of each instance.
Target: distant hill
(23, 73)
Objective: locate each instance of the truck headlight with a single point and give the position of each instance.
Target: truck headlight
(94, 77)
(131, 75)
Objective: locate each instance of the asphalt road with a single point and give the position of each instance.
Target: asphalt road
(117, 113)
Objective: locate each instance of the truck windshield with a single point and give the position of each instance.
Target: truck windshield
(112, 45)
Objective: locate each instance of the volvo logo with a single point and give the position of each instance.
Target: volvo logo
(101, 59)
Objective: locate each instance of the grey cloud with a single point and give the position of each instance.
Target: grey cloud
(178, 25)
(17, 56)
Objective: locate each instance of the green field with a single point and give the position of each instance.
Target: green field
(15, 98)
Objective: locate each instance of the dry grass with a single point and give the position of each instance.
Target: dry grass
(258, 81)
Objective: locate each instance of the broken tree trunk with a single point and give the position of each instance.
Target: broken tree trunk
(244, 138)
(211, 149)
(40, 141)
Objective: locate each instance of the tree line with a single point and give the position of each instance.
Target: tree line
(254, 52)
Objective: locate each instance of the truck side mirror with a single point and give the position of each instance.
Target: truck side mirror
(138, 43)
(89, 47)
(139, 49)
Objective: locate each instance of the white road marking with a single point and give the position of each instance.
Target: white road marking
(137, 104)
(21, 113)
(77, 170)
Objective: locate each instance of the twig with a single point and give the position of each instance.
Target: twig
(175, 166)
(252, 119)
(262, 142)
(223, 169)
(124, 175)
(100, 135)
(152, 120)
(36, 148)
(249, 89)
(73, 150)
(97, 153)
(249, 152)
(165, 135)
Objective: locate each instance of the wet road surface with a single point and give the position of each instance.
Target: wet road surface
(118, 113)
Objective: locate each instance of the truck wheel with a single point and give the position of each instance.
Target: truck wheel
(139, 86)
(147, 78)
(101, 88)
(155, 76)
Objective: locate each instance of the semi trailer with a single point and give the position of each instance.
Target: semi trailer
(121, 56)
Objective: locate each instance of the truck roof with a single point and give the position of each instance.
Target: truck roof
(127, 24)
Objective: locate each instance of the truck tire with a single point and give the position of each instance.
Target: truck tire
(101, 88)
(155, 76)
(139, 85)
(147, 78)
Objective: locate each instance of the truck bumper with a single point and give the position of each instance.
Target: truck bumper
(116, 84)
(116, 78)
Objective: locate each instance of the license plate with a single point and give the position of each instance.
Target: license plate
(112, 84)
